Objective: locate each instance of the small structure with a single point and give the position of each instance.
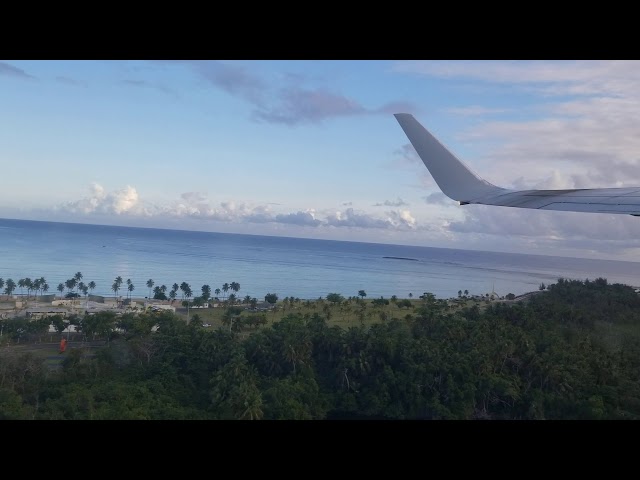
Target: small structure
(66, 303)
(37, 313)
(261, 307)
(159, 308)
(204, 305)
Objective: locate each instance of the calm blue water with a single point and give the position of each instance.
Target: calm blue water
(301, 268)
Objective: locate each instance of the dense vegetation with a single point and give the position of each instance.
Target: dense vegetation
(570, 352)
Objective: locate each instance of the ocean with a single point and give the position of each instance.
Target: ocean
(302, 268)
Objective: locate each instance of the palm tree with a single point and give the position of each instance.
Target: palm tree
(217, 292)
(45, 288)
(232, 299)
(206, 292)
(85, 290)
(131, 288)
(81, 287)
(184, 286)
(466, 292)
(70, 284)
(61, 289)
(225, 289)
(235, 286)
(115, 287)
(92, 285)
(36, 288)
(1, 283)
(21, 284)
(172, 295)
(150, 284)
(187, 291)
(29, 284)
(77, 277)
(9, 286)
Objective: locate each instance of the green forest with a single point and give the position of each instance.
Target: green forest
(570, 352)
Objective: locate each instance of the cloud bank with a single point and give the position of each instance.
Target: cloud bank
(127, 202)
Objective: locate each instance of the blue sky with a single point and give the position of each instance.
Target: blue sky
(311, 148)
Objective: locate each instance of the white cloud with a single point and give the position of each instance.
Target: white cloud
(401, 218)
(118, 202)
(299, 218)
(438, 198)
(553, 77)
(474, 110)
(569, 230)
(392, 203)
(196, 205)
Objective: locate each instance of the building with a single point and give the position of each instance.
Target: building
(37, 313)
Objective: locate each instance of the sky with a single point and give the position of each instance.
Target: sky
(310, 148)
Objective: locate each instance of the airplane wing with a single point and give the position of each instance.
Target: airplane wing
(459, 183)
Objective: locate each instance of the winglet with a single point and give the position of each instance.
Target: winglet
(453, 177)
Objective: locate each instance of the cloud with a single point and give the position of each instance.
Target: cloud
(145, 84)
(232, 78)
(407, 155)
(398, 107)
(126, 201)
(438, 198)
(194, 196)
(299, 218)
(392, 203)
(297, 105)
(402, 218)
(549, 229)
(347, 204)
(11, 71)
(575, 77)
(70, 81)
(351, 218)
(394, 220)
(118, 202)
(293, 105)
(474, 110)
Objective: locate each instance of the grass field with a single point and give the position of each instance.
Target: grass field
(362, 312)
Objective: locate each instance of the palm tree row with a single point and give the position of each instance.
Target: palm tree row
(40, 286)
(159, 292)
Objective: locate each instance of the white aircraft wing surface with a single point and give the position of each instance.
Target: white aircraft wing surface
(458, 182)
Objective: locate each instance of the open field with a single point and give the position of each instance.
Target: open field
(361, 312)
(345, 314)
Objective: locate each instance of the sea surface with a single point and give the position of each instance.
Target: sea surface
(301, 268)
